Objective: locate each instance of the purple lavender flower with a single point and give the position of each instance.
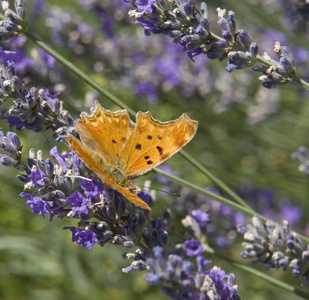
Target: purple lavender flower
(38, 206)
(93, 189)
(61, 159)
(78, 203)
(194, 248)
(200, 217)
(268, 204)
(83, 237)
(48, 60)
(301, 156)
(38, 178)
(144, 5)
(218, 277)
(6, 55)
(37, 110)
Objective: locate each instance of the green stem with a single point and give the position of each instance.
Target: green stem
(78, 72)
(246, 210)
(215, 179)
(302, 82)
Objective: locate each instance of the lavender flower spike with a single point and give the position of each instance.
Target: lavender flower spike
(17, 25)
(181, 281)
(189, 26)
(276, 247)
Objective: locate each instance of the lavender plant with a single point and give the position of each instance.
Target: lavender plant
(276, 246)
(173, 255)
(189, 26)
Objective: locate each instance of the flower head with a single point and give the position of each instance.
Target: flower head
(83, 237)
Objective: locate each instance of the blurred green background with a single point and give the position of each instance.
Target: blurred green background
(38, 259)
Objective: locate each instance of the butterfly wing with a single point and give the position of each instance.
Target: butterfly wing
(126, 193)
(98, 165)
(152, 142)
(105, 132)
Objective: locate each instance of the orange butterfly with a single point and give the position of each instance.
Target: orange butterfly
(117, 149)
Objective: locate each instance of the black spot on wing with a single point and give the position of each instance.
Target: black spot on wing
(160, 150)
(159, 137)
(138, 146)
(149, 137)
(149, 162)
(114, 141)
(146, 157)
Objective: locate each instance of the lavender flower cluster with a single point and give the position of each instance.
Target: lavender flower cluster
(37, 110)
(169, 74)
(58, 189)
(126, 60)
(190, 27)
(176, 275)
(16, 24)
(276, 246)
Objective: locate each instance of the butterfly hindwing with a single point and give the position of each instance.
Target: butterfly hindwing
(126, 193)
(152, 142)
(96, 164)
(105, 132)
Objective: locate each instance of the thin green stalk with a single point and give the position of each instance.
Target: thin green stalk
(302, 82)
(215, 179)
(246, 210)
(79, 73)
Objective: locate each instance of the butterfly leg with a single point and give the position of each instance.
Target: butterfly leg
(134, 189)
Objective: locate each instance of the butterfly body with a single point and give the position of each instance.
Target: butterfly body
(117, 149)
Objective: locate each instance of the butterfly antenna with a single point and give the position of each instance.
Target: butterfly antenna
(148, 187)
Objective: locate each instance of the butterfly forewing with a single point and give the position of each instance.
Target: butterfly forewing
(105, 132)
(152, 142)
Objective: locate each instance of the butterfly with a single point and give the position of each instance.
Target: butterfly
(118, 149)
